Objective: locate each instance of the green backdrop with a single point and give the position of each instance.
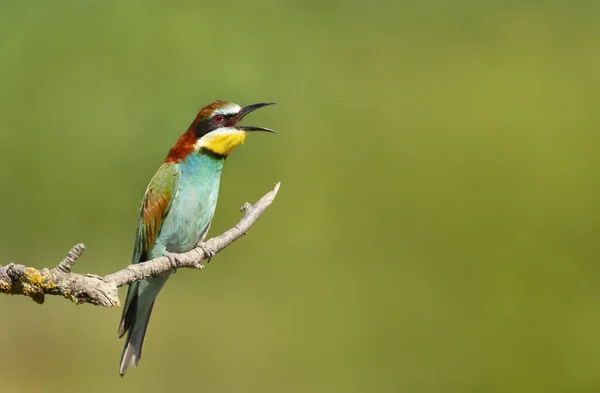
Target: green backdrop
(437, 224)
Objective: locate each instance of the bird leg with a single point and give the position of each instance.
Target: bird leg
(172, 260)
(208, 252)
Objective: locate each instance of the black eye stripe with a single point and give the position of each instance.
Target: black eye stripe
(204, 127)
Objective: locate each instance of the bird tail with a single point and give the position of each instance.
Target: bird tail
(136, 315)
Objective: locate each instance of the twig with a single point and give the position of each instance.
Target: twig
(90, 288)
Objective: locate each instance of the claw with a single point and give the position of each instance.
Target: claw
(207, 251)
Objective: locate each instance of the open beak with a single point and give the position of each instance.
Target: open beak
(251, 108)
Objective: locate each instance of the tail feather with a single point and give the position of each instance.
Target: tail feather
(129, 309)
(136, 315)
(132, 350)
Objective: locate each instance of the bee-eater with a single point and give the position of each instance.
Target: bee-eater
(178, 207)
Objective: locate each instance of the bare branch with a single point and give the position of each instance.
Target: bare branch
(89, 288)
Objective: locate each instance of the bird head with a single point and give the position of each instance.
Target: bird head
(216, 126)
(215, 129)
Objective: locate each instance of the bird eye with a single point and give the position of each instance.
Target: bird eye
(218, 118)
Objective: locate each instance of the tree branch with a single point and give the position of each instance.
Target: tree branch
(90, 288)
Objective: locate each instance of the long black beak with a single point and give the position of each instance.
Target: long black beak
(251, 108)
(253, 128)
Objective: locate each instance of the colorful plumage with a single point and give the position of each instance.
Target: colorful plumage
(178, 208)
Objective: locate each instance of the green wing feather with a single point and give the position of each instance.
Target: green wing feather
(155, 207)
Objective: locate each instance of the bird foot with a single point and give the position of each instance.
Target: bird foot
(172, 260)
(208, 252)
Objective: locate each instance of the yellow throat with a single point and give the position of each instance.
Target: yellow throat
(222, 141)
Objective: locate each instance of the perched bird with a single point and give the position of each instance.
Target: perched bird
(178, 207)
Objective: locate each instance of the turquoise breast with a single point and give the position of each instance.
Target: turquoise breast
(193, 205)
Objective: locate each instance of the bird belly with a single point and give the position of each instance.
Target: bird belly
(189, 217)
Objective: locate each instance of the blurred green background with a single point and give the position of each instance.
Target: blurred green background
(437, 224)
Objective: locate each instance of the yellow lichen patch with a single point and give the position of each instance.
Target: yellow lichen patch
(36, 283)
(67, 294)
(4, 287)
(38, 279)
(30, 290)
